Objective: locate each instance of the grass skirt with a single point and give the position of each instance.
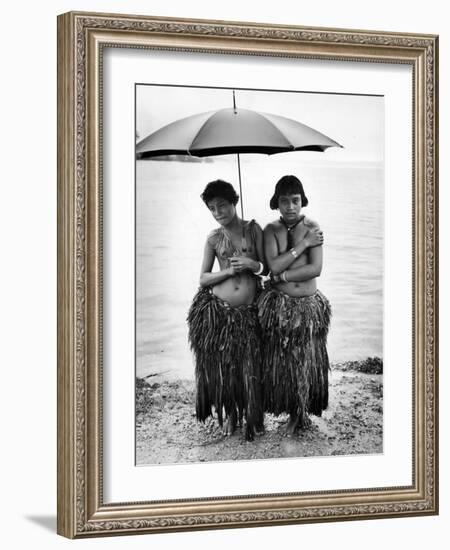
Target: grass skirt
(295, 364)
(226, 342)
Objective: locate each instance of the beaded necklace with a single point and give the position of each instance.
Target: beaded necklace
(290, 228)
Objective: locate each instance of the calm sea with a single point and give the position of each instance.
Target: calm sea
(347, 200)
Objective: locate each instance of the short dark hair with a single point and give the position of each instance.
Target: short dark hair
(288, 185)
(219, 189)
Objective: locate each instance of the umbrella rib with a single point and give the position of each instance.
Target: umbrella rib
(199, 130)
(274, 126)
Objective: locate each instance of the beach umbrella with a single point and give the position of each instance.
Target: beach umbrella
(233, 131)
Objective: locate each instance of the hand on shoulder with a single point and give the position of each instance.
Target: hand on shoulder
(311, 224)
(314, 236)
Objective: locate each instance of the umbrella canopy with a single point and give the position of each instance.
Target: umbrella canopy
(232, 131)
(229, 131)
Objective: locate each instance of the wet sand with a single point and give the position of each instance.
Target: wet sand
(167, 431)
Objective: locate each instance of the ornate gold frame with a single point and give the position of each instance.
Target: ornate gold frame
(81, 511)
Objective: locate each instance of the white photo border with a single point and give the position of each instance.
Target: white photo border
(123, 481)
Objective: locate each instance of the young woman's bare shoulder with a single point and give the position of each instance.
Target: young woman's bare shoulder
(272, 227)
(311, 224)
(213, 237)
(257, 227)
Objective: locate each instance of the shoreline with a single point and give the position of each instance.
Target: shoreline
(167, 431)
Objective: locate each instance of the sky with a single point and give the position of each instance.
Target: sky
(354, 121)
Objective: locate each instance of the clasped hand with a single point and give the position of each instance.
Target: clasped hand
(314, 237)
(241, 263)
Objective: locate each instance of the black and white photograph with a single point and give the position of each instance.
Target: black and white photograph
(259, 274)
(223, 241)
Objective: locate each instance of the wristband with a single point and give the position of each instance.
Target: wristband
(260, 270)
(293, 252)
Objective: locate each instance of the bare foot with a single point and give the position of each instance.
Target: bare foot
(296, 424)
(292, 425)
(230, 425)
(249, 433)
(260, 430)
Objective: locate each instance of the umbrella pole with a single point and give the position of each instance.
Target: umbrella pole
(244, 240)
(240, 185)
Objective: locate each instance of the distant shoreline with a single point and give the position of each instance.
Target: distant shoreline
(177, 158)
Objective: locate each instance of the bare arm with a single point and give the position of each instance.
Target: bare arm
(309, 271)
(241, 263)
(260, 249)
(280, 262)
(206, 277)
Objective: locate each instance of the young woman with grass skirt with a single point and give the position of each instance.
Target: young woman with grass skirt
(294, 315)
(224, 333)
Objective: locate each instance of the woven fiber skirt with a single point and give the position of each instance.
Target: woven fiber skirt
(295, 358)
(226, 342)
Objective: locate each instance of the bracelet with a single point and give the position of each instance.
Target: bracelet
(293, 252)
(260, 270)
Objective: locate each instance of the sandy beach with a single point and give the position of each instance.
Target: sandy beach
(167, 431)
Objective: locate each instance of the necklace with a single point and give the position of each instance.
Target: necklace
(243, 239)
(290, 228)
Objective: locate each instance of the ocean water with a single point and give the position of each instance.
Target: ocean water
(347, 200)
